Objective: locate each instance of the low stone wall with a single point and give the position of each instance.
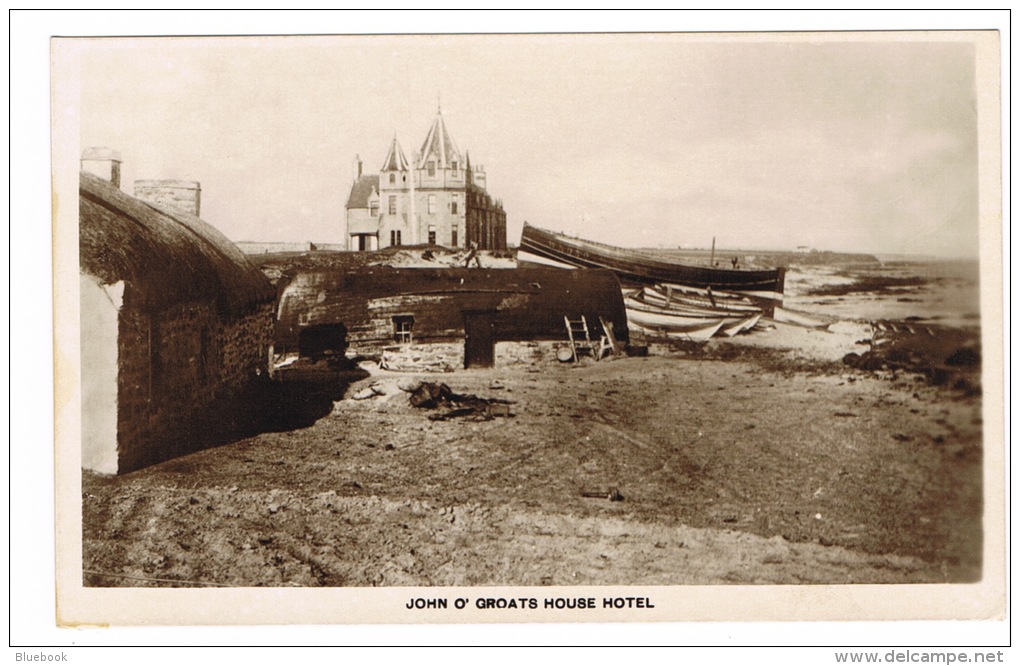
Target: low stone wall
(437, 357)
(511, 354)
(449, 356)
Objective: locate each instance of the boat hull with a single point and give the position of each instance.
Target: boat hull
(698, 331)
(633, 267)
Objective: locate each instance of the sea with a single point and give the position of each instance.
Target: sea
(938, 291)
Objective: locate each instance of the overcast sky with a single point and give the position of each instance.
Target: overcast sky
(636, 140)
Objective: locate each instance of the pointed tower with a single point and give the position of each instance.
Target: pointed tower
(394, 206)
(395, 167)
(440, 181)
(439, 153)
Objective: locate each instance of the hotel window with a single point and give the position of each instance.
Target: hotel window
(395, 237)
(373, 209)
(453, 236)
(432, 204)
(393, 204)
(402, 326)
(432, 167)
(453, 207)
(393, 178)
(453, 165)
(432, 234)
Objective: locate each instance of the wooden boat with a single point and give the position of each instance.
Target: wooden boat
(654, 323)
(670, 298)
(693, 323)
(636, 267)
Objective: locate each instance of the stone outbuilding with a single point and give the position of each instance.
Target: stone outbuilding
(176, 324)
(467, 310)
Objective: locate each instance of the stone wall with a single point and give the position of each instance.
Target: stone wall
(513, 354)
(449, 356)
(184, 195)
(182, 370)
(438, 357)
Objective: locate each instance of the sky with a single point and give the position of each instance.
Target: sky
(639, 140)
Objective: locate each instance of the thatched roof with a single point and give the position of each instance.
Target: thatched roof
(165, 256)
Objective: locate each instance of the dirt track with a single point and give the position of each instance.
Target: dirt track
(732, 471)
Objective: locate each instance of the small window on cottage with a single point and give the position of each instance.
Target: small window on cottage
(373, 208)
(402, 327)
(393, 178)
(393, 204)
(453, 166)
(432, 204)
(432, 167)
(432, 234)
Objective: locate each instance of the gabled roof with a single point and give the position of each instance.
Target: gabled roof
(395, 160)
(167, 257)
(439, 145)
(362, 190)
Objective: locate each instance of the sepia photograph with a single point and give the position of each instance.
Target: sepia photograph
(528, 327)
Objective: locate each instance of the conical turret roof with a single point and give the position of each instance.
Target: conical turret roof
(395, 160)
(439, 145)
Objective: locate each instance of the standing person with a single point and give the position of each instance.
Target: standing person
(473, 254)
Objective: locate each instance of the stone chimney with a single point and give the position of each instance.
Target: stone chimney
(479, 176)
(102, 162)
(357, 167)
(184, 195)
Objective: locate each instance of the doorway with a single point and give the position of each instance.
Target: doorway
(479, 339)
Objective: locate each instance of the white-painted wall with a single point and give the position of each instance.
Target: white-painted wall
(100, 309)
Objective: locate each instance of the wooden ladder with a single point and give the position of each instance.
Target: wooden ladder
(577, 332)
(608, 341)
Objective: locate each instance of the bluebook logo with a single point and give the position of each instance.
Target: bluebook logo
(24, 656)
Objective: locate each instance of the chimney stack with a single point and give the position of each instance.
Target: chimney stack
(183, 195)
(357, 161)
(102, 162)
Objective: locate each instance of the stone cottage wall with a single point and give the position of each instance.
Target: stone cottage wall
(184, 373)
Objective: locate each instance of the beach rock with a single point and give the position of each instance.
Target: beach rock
(964, 357)
(408, 384)
(364, 394)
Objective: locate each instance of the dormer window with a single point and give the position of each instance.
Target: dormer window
(432, 168)
(393, 178)
(453, 166)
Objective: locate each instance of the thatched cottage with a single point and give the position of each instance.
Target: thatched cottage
(471, 309)
(176, 324)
